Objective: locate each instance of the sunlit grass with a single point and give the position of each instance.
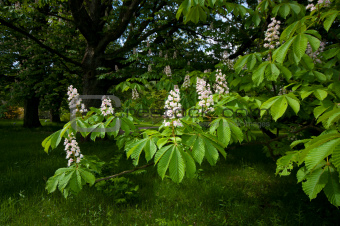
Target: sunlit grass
(241, 190)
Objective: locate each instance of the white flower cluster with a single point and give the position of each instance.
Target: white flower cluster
(175, 55)
(186, 82)
(160, 53)
(312, 7)
(148, 44)
(315, 55)
(166, 56)
(204, 95)
(272, 34)
(221, 84)
(72, 150)
(149, 52)
(116, 68)
(106, 107)
(229, 63)
(167, 71)
(149, 68)
(134, 51)
(173, 109)
(135, 94)
(75, 100)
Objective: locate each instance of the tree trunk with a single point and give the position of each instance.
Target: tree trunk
(54, 115)
(91, 85)
(31, 115)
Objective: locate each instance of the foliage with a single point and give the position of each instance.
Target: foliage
(289, 84)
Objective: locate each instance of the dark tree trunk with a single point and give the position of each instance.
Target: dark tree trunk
(54, 115)
(93, 86)
(31, 115)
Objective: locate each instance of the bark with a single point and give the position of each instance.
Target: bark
(54, 115)
(31, 115)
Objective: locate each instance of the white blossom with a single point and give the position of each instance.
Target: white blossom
(173, 109)
(106, 107)
(204, 96)
(186, 82)
(116, 68)
(221, 83)
(272, 34)
(175, 55)
(160, 53)
(75, 100)
(72, 150)
(167, 70)
(149, 68)
(316, 56)
(135, 94)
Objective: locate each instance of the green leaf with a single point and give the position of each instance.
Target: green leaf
(177, 166)
(240, 63)
(164, 161)
(330, 19)
(314, 42)
(136, 150)
(266, 105)
(318, 154)
(236, 132)
(320, 76)
(256, 19)
(320, 94)
(161, 142)
(336, 157)
(275, 72)
(332, 188)
(315, 182)
(286, 73)
(150, 150)
(198, 150)
(280, 54)
(87, 176)
(210, 152)
(289, 31)
(258, 75)
(300, 46)
(307, 62)
(223, 132)
(295, 7)
(279, 108)
(160, 153)
(190, 165)
(284, 10)
(293, 102)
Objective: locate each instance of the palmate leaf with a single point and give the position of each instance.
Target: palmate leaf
(279, 108)
(330, 117)
(293, 102)
(147, 144)
(54, 139)
(300, 46)
(190, 168)
(316, 142)
(70, 180)
(318, 154)
(336, 157)
(315, 182)
(177, 165)
(332, 188)
(164, 162)
(198, 150)
(211, 152)
(280, 54)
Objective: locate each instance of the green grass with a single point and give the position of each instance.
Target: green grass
(241, 190)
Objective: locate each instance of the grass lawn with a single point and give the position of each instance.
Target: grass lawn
(241, 190)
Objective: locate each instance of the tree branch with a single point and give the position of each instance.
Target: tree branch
(53, 51)
(124, 172)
